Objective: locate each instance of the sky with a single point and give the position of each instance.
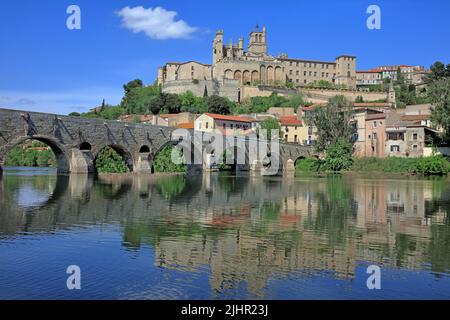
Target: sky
(45, 66)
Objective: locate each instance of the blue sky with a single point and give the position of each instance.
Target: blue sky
(46, 67)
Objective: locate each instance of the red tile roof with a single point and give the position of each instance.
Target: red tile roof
(230, 118)
(187, 125)
(290, 121)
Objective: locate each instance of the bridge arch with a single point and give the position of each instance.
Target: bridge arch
(188, 155)
(144, 149)
(61, 155)
(122, 151)
(85, 146)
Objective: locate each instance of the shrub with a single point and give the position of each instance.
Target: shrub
(436, 165)
(338, 156)
(308, 165)
(163, 161)
(109, 161)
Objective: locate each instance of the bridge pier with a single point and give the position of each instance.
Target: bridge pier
(142, 163)
(81, 161)
(289, 168)
(256, 167)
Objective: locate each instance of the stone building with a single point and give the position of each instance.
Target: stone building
(225, 125)
(296, 131)
(234, 67)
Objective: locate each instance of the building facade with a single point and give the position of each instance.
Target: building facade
(225, 125)
(233, 67)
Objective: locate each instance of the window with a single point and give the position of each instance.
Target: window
(415, 147)
(295, 138)
(374, 136)
(224, 126)
(374, 124)
(231, 126)
(304, 73)
(297, 72)
(315, 74)
(415, 136)
(304, 81)
(286, 137)
(395, 148)
(207, 124)
(290, 72)
(287, 129)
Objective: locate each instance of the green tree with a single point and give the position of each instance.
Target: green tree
(109, 161)
(439, 93)
(438, 71)
(270, 124)
(333, 123)
(338, 156)
(163, 161)
(172, 103)
(74, 114)
(219, 105)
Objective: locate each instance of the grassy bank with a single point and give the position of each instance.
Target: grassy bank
(436, 165)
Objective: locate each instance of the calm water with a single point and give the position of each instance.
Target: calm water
(223, 237)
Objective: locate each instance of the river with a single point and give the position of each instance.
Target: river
(223, 236)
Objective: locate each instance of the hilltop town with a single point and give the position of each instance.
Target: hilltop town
(244, 89)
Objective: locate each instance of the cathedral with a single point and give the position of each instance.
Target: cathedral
(233, 67)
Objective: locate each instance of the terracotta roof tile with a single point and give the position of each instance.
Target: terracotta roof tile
(230, 118)
(290, 121)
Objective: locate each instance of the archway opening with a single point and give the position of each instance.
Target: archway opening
(144, 149)
(233, 160)
(306, 164)
(113, 159)
(85, 146)
(36, 152)
(170, 159)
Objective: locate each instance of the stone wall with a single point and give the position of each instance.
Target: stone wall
(226, 88)
(325, 94)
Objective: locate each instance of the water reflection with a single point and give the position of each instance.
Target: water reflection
(246, 234)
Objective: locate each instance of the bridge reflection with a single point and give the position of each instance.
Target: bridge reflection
(250, 229)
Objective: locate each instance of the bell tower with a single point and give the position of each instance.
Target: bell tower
(218, 54)
(258, 41)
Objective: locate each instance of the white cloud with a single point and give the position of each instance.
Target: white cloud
(156, 23)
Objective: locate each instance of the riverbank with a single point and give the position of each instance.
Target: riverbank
(435, 165)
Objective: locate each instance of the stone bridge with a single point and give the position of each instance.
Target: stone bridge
(77, 141)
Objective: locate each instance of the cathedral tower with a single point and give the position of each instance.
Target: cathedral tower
(258, 41)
